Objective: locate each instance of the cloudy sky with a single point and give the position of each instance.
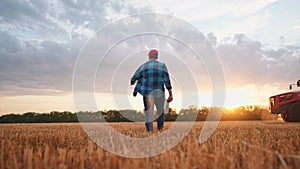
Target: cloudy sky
(258, 43)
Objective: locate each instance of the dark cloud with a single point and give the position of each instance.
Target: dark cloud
(19, 10)
(212, 38)
(9, 43)
(247, 61)
(55, 20)
(48, 67)
(79, 12)
(40, 41)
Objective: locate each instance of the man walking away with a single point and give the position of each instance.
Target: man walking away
(152, 77)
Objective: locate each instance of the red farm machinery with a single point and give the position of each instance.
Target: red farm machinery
(287, 104)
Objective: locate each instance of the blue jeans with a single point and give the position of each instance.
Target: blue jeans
(149, 102)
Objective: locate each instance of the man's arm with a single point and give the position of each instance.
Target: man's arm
(167, 82)
(170, 98)
(137, 75)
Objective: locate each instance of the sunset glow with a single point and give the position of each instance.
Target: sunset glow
(40, 44)
(241, 97)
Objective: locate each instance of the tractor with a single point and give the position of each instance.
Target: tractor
(287, 104)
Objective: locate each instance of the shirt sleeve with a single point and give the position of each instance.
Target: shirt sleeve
(137, 75)
(166, 77)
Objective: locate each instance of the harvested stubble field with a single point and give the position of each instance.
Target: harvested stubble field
(255, 144)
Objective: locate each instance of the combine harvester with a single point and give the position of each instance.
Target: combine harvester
(287, 104)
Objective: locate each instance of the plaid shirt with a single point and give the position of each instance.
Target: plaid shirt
(149, 76)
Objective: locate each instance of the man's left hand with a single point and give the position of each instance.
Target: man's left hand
(170, 98)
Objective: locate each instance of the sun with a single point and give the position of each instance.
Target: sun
(240, 96)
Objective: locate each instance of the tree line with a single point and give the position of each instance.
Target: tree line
(188, 114)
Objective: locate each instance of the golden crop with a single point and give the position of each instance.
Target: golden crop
(258, 144)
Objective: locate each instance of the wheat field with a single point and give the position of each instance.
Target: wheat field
(244, 144)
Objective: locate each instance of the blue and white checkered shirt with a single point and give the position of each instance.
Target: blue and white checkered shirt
(150, 76)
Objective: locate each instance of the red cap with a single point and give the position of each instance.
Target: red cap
(153, 52)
